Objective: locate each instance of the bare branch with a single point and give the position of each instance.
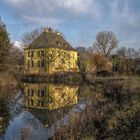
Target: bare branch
(105, 43)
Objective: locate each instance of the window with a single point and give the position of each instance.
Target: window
(31, 102)
(73, 55)
(58, 44)
(41, 53)
(28, 63)
(39, 63)
(30, 92)
(32, 63)
(41, 93)
(65, 45)
(42, 103)
(38, 103)
(42, 63)
(30, 54)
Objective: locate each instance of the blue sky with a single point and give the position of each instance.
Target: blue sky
(78, 20)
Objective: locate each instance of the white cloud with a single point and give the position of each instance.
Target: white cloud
(17, 45)
(56, 11)
(42, 20)
(125, 21)
(82, 17)
(125, 17)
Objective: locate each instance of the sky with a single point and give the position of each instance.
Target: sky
(78, 20)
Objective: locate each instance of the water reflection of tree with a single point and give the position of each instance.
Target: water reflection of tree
(15, 103)
(10, 106)
(47, 117)
(4, 116)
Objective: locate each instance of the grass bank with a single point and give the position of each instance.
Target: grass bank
(113, 114)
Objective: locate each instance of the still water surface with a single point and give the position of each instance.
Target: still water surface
(29, 112)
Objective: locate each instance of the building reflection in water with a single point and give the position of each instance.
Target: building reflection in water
(49, 102)
(49, 96)
(41, 106)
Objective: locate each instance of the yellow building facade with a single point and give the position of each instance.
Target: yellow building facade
(50, 53)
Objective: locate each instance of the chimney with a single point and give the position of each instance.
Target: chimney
(58, 33)
(48, 29)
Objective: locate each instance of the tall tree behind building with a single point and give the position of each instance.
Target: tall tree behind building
(29, 37)
(4, 47)
(105, 43)
(127, 59)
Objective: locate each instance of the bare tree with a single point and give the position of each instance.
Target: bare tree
(4, 47)
(122, 52)
(29, 37)
(105, 43)
(53, 54)
(128, 56)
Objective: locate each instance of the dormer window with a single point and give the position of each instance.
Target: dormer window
(58, 44)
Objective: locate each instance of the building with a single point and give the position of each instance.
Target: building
(50, 53)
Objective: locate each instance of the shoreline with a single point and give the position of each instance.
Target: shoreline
(68, 78)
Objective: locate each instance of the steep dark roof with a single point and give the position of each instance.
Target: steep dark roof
(51, 39)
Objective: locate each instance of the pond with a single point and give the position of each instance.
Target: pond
(30, 112)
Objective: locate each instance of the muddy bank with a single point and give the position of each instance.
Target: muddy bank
(8, 85)
(7, 80)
